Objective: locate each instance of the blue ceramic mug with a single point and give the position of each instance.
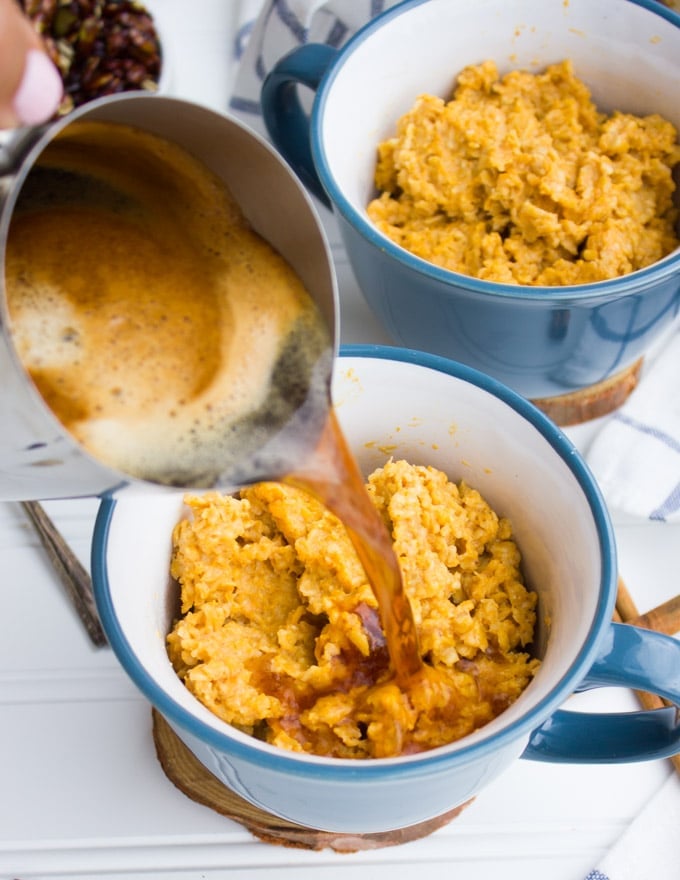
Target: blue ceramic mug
(542, 341)
(435, 412)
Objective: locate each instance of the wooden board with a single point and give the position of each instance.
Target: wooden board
(187, 773)
(593, 402)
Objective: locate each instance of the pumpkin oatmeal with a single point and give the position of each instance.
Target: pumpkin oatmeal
(522, 180)
(279, 631)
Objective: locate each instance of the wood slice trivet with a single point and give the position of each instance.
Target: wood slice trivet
(590, 403)
(187, 773)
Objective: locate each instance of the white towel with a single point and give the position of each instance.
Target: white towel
(636, 455)
(650, 848)
(280, 27)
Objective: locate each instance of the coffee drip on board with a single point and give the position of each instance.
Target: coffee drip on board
(176, 345)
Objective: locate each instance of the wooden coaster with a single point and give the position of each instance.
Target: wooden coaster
(187, 773)
(592, 402)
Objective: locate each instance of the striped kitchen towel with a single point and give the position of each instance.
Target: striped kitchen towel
(635, 457)
(281, 26)
(650, 848)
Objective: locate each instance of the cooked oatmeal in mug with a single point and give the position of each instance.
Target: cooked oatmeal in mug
(280, 635)
(521, 179)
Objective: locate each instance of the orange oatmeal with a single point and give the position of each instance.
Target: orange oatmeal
(279, 633)
(522, 180)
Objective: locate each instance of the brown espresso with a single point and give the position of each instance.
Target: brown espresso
(332, 475)
(173, 343)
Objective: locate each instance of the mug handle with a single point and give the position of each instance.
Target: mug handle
(628, 657)
(284, 117)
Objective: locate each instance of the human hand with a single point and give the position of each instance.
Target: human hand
(30, 85)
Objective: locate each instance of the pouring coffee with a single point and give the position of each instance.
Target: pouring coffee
(173, 343)
(196, 342)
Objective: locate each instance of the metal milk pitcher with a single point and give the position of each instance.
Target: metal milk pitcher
(39, 459)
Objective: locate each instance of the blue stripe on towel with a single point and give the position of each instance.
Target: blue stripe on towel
(650, 431)
(291, 21)
(668, 507)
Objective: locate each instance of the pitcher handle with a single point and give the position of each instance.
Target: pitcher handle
(285, 119)
(628, 657)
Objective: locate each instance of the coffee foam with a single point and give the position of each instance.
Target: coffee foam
(155, 323)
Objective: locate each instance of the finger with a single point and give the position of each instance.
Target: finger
(30, 85)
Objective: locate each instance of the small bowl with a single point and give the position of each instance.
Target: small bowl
(112, 38)
(428, 411)
(542, 341)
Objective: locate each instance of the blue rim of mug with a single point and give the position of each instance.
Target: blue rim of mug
(596, 291)
(272, 757)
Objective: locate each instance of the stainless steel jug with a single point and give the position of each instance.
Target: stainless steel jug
(38, 458)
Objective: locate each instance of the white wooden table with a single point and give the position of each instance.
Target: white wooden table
(81, 792)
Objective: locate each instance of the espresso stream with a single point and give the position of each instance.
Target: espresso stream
(331, 474)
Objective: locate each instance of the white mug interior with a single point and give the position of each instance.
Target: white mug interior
(527, 471)
(628, 56)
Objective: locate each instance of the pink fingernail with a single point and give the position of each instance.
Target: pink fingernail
(40, 90)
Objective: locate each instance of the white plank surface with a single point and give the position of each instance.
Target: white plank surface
(81, 792)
